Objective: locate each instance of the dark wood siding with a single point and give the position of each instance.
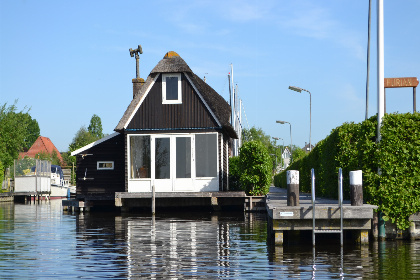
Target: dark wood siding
(102, 181)
(225, 163)
(152, 114)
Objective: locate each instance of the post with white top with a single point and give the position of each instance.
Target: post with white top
(292, 188)
(356, 188)
(356, 199)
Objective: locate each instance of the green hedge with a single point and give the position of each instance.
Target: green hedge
(251, 170)
(1, 176)
(353, 147)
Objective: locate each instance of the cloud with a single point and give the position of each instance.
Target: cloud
(308, 20)
(243, 11)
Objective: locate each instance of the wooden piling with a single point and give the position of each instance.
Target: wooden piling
(292, 188)
(153, 200)
(356, 188)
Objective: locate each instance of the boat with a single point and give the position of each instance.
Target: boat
(59, 187)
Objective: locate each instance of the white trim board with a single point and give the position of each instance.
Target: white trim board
(82, 149)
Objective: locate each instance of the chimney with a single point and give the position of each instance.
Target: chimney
(137, 84)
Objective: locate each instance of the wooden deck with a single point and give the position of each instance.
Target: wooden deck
(212, 200)
(327, 214)
(6, 197)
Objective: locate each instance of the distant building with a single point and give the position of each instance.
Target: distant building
(41, 145)
(286, 155)
(308, 148)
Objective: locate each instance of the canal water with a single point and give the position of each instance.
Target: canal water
(39, 241)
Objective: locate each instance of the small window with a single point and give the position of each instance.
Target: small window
(171, 89)
(105, 165)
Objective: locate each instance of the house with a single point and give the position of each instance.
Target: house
(41, 145)
(308, 147)
(175, 135)
(286, 156)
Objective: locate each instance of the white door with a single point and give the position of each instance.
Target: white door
(183, 163)
(162, 164)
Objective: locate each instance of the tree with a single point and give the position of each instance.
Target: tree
(297, 153)
(13, 128)
(255, 166)
(257, 134)
(53, 157)
(95, 127)
(32, 131)
(81, 139)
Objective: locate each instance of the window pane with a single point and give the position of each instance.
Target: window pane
(171, 88)
(162, 160)
(206, 155)
(105, 165)
(140, 156)
(183, 157)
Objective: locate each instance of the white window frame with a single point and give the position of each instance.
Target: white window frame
(104, 168)
(177, 101)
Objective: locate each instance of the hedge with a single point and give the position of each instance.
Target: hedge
(353, 146)
(251, 170)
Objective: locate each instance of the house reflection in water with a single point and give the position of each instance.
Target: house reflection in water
(170, 248)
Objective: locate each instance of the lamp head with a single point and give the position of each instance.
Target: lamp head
(295, 88)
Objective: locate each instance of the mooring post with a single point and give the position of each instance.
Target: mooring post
(292, 188)
(153, 200)
(356, 188)
(381, 226)
(278, 237)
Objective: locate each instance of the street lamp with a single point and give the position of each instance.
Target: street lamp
(278, 138)
(291, 142)
(298, 89)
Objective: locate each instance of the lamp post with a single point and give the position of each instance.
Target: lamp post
(291, 142)
(278, 138)
(298, 89)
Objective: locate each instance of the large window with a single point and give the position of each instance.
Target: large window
(206, 155)
(163, 158)
(167, 157)
(140, 157)
(171, 89)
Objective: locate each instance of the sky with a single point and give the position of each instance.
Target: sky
(69, 60)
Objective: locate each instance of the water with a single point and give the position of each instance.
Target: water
(40, 241)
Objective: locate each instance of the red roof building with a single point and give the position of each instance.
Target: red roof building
(42, 144)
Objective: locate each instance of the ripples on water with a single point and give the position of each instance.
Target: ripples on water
(39, 241)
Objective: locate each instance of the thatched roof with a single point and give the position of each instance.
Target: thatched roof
(173, 63)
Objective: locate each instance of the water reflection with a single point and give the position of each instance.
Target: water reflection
(38, 241)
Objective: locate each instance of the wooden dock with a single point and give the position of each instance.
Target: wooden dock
(6, 197)
(212, 200)
(281, 218)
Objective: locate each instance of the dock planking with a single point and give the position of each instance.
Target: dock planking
(327, 214)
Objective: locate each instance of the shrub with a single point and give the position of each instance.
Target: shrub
(234, 174)
(255, 168)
